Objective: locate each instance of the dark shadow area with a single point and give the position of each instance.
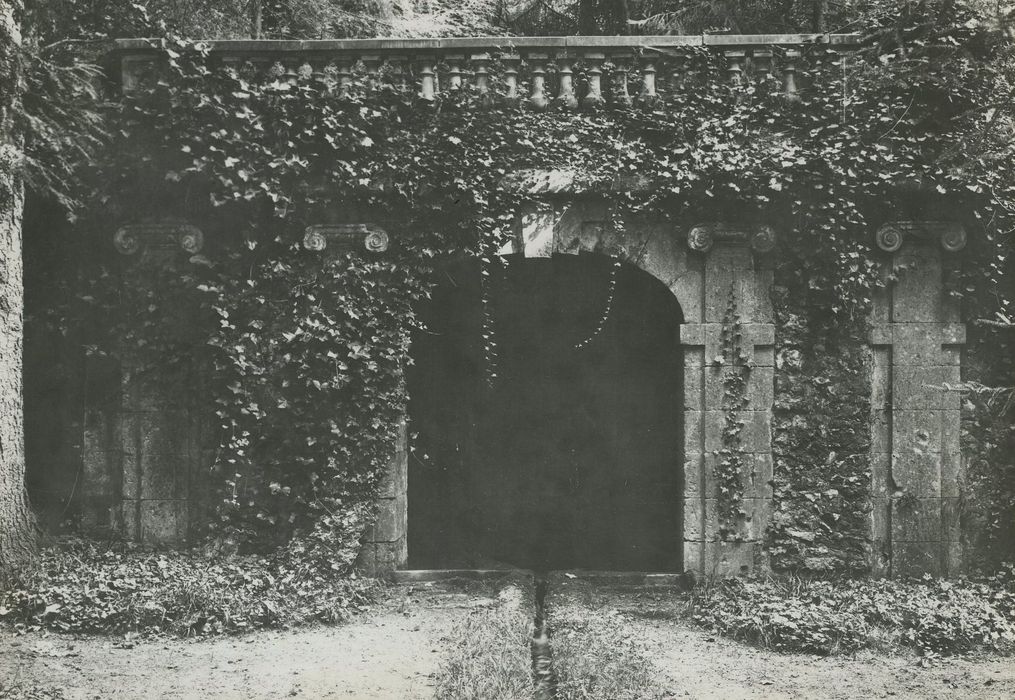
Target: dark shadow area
(570, 455)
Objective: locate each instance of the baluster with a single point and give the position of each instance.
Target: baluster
(594, 97)
(344, 73)
(620, 70)
(276, 72)
(789, 88)
(480, 60)
(231, 65)
(318, 74)
(400, 72)
(426, 78)
(292, 75)
(454, 71)
(762, 60)
(263, 70)
(648, 95)
(511, 62)
(372, 64)
(676, 74)
(734, 67)
(305, 71)
(538, 97)
(565, 76)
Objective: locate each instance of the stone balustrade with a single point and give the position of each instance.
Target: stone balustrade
(540, 70)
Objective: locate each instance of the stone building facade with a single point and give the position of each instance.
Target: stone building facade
(145, 453)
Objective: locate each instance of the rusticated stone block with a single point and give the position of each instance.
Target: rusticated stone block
(694, 355)
(393, 483)
(163, 476)
(757, 478)
(694, 431)
(952, 475)
(917, 558)
(731, 558)
(924, 387)
(880, 488)
(664, 257)
(916, 297)
(164, 521)
(390, 522)
(756, 435)
(694, 519)
(759, 515)
(688, 289)
(951, 519)
(693, 476)
(694, 383)
(693, 556)
(917, 473)
(880, 433)
(916, 431)
(916, 519)
(164, 432)
(880, 508)
(954, 558)
(130, 474)
(388, 557)
(919, 344)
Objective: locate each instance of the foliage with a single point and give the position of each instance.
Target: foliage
(489, 653)
(736, 370)
(85, 587)
(933, 616)
(988, 444)
(820, 439)
(592, 660)
(307, 352)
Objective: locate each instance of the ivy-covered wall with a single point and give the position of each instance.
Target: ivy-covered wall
(820, 437)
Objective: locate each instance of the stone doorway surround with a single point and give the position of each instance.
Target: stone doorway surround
(706, 267)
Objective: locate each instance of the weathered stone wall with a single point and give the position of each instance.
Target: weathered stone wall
(146, 453)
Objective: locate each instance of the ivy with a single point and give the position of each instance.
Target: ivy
(735, 366)
(308, 353)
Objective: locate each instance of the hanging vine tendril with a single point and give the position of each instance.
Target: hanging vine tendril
(490, 356)
(607, 309)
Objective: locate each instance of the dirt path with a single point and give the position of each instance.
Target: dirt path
(693, 663)
(397, 650)
(393, 652)
(645, 626)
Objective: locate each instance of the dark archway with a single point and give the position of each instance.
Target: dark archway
(565, 450)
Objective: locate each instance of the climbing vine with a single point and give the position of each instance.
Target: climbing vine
(735, 367)
(308, 352)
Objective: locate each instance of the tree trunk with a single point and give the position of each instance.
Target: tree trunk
(17, 524)
(818, 10)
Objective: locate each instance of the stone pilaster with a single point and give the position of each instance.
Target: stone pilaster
(384, 543)
(142, 445)
(735, 283)
(916, 466)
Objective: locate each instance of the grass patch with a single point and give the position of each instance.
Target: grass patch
(84, 587)
(595, 658)
(488, 655)
(932, 616)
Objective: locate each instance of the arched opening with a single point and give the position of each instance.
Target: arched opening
(562, 451)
